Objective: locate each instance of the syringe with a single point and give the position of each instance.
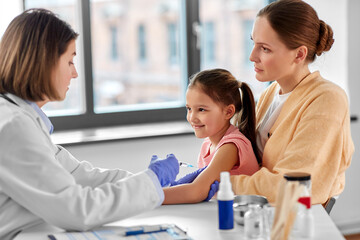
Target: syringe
(183, 164)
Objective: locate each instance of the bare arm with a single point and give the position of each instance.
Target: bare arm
(224, 160)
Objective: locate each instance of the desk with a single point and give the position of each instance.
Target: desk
(199, 220)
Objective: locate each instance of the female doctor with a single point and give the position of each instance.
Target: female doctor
(40, 181)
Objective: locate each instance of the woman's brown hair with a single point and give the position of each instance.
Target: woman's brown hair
(298, 24)
(29, 51)
(222, 87)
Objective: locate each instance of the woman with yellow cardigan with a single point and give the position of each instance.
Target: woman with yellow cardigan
(303, 122)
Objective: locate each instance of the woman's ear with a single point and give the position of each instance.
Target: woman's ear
(229, 111)
(301, 54)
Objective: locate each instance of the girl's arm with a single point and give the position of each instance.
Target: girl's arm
(224, 160)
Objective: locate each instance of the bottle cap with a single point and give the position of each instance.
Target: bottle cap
(305, 201)
(225, 189)
(297, 176)
(224, 177)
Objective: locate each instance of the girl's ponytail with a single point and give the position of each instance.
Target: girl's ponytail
(246, 120)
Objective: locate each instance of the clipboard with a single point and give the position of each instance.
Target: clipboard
(141, 232)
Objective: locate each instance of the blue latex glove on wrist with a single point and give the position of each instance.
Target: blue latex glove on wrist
(213, 189)
(188, 178)
(165, 169)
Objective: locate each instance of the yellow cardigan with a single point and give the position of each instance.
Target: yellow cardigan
(311, 134)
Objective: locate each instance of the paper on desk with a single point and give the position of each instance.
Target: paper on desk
(116, 233)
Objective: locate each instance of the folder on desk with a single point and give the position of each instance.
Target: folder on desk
(154, 232)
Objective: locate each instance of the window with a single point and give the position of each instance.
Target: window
(135, 57)
(141, 80)
(8, 12)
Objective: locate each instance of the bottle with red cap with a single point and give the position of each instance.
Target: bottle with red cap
(304, 223)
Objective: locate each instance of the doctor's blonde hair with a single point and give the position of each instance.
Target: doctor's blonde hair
(223, 88)
(29, 51)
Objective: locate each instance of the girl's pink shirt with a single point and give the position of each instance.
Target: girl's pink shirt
(247, 163)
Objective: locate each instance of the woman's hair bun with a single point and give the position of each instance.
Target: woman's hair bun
(326, 39)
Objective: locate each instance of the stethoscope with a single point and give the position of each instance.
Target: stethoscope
(8, 99)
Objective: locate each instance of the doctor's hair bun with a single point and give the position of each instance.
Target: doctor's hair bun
(326, 39)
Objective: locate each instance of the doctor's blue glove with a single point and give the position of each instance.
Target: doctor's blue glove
(213, 189)
(188, 178)
(165, 169)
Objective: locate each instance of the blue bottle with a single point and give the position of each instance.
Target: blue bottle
(225, 199)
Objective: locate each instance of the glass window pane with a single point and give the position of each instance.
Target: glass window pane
(74, 101)
(138, 65)
(225, 37)
(8, 11)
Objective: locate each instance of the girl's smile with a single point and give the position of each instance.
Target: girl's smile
(207, 118)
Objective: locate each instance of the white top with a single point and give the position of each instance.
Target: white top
(270, 117)
(42, 182)
(225, 192)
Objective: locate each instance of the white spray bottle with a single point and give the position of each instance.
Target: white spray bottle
(225, 199)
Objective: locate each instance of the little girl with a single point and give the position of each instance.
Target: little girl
(214, 99)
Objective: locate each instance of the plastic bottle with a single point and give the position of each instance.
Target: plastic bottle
(304, 201)
(253, 222)
(306, 221)
(225, 199)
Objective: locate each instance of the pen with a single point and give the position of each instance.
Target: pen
(183, 164)
(148, 229)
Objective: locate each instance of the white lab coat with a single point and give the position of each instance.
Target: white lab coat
(40, 181)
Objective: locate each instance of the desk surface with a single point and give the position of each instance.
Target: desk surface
(199, 220)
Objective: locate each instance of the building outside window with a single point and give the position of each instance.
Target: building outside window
(142, 43)
(173, 43)
(208, 58)
(114, 43)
